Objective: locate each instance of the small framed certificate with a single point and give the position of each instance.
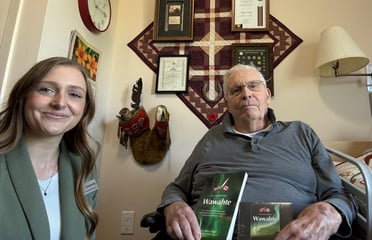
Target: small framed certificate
(174, 20)
(172, 75)
(250, 15)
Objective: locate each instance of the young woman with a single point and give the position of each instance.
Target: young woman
(48, 180)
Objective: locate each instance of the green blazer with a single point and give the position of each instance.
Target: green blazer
(22, 212)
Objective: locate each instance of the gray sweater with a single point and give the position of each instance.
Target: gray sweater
(286, 163)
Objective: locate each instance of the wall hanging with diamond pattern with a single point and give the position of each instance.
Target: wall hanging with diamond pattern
(210, 54)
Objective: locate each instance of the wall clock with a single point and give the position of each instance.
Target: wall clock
(96, 14)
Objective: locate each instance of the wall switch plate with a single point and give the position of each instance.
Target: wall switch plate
(127, 222)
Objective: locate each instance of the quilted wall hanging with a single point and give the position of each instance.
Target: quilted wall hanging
(210, 54)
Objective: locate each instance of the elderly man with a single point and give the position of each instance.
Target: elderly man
(285, 162)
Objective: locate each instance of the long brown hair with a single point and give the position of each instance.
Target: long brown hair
(77, 140)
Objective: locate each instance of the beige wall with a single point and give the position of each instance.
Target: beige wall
(337, 109)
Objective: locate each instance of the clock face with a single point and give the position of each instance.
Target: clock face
(100, 13)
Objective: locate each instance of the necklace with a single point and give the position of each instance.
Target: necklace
(49, 182)
(46, 188)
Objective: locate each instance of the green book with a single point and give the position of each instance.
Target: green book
(218, 205)
(262, 220)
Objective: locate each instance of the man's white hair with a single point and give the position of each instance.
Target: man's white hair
(236, 68)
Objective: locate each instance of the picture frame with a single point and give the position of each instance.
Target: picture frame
(250, 15)
(174, 20)
(79, 47)
(259, 55)
(172, 74)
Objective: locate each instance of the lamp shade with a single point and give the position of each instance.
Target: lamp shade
(337, 45)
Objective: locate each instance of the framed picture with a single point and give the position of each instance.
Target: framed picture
(86, 55)
(259, 55)
(174, 20)
(250, 15)
(173, 74)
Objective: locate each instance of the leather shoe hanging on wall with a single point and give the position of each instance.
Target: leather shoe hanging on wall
(148, 146)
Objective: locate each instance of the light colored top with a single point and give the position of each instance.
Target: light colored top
(50, 187)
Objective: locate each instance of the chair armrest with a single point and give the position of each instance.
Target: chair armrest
(154, 221)
(367, 199)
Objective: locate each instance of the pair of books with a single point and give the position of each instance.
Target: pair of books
(219, 207)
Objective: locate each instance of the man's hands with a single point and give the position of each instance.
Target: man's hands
(316, 222)
(181, 222)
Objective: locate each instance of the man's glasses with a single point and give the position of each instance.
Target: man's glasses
(253, 86)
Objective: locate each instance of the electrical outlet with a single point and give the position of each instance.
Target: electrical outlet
(127, 221)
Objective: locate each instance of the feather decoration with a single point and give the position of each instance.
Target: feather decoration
(136, 94)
